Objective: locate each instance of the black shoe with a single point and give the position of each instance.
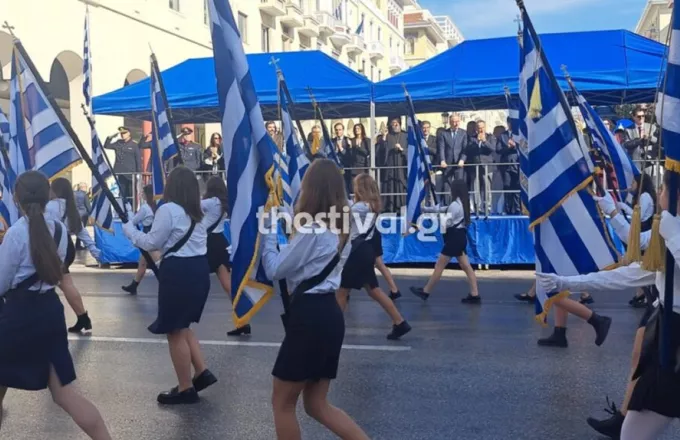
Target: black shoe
(240, 331)
(609, 427)
(131, 288)
(525, 298)
(638, 302)
(399, 330)
(586, 300)
(83, 325)
(471, 299)
(601, 325)
(395, 295)
(420, 293)
(557, 339)
(175, 397)
(204, 380)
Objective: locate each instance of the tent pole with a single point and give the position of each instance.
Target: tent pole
(373, 132)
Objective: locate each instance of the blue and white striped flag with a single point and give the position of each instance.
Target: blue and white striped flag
(4, 131)
(360, 28)
(417, 175)
(249, 159)
(87, 64)
(604, 141)
(328, 147)
(297, 160)
(569, 231)
(668, 109)
(8, 210)
(39, 141)
(521, 145)
(163, 147)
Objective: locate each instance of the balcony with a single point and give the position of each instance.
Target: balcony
(310, 28)
(326, 23)
(275, 8)
(376, 50)
(341, 36)
(397, 64)
(294, 16)
(356, 45)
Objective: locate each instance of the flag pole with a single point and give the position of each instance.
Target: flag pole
(106, 159)
(79, 146)
(168, 111)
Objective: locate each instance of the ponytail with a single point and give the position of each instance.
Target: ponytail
(32, 192)
(149, 198)
(61, 188)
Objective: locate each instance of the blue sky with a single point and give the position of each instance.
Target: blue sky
(493, 18)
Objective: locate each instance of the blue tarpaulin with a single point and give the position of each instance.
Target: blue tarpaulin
(608, 67)
(192, 95)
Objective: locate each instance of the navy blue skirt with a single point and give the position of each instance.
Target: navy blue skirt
(218, 255)
(70, 255)
(32, 337)
(359, 270)
(183, 287)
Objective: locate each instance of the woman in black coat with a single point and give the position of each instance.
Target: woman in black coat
(361, 151)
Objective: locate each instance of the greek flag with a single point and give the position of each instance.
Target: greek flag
(668, 110)
(8, 210)
(87, 66)
(569, 231)
(297, 160)
(163, 147)
(515, 124)
(39, 141)
(360, 28)
(328, 147)
(4, 131)
(604, 141)
(101, 206)
(249, 159)
(418, 172)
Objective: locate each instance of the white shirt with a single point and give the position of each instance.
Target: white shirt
(170, 224)
(15, 255)
(144, 216)
(56, 210)
(455, 214)
(646, 207)
(212, 211)
(362, 218)
(310, 249)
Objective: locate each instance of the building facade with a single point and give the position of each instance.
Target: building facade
(655, 20)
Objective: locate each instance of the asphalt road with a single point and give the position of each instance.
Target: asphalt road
(464, 372)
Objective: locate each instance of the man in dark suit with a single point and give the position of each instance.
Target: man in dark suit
(508, 154)
(342, 149)
(451, 145)
(641, 140)
(431, 142)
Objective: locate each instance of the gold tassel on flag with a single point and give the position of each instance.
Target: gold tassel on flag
(633, 252)
(655, 255)
(535, 104)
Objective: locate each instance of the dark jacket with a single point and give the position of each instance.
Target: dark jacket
(361, 156)
(451, 146)
(507, 154)
(345, 157)
(431, 142)
(128, 156)
(82, 202)
(192, 155)
(480, 152)
(639, 148)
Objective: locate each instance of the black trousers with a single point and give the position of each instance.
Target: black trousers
(512, 200)
(125, 187)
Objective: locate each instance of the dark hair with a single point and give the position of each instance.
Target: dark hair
(61, 188)
(425, 122)
(645, 185)
(363, 130)
(32, 192)
(322, 187)
(212, 138)
(182, 188)
(498, 130)
(471, 127)
(217, 188)
(268, 123)
(149, 197)
(459, 190)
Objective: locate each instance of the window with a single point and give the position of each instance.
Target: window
(379, 74)
(243, 26)
(174, 5)
(410, 46)
(390, 43)
(379, 33)
(206, 15)
(265, 39)
(363, 67)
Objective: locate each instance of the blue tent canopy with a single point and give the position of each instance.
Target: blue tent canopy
(608, 67)
(192, 95)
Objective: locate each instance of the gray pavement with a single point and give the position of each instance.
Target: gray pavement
(465, 372)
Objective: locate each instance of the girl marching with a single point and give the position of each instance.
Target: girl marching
(34, 351)
(143, 218)
(455, 242)
(62, 208)
(655, 399)
(359, 272)
(311, 264)
(183, 281)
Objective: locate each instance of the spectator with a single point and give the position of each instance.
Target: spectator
(507, 150)
(609, 125)
(190, 152)
(431, 142)
(451, 146)
(315, 144)
(82, 199)
(480, 147)
(641, 140)
(128, 160)
(275, 134)
(392, 153)
(213, 157)
(342, 147)
(361, 150)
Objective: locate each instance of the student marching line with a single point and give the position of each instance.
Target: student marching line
(144, 218)
(359, 270)
(62, 208)
(34, 351)
(312, 265)
(179, 231)
(455, 242)
(655, 398)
